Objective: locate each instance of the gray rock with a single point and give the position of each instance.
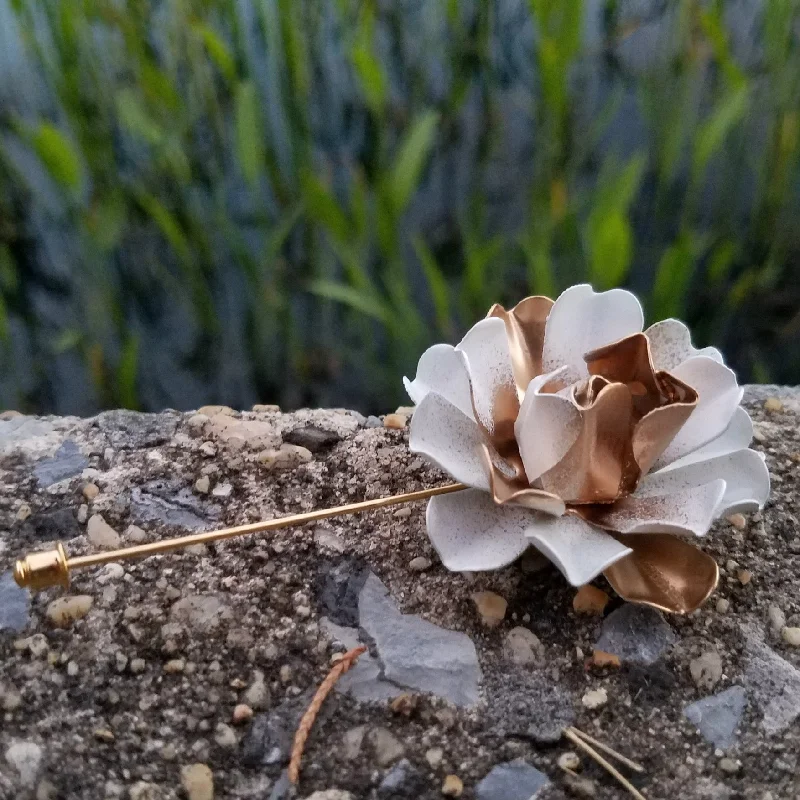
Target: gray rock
(67, 462)
(14, 604)
(416, 653)
(26, 759)
(312, 437)
(169, 503)
(514, 780)
(339, 586)
(772, 682)
(637, 634)
(402, 781)
(51, 525)
(717, 717)
(201, 612)
(386, 747)
(373, 422)
(363, 681)
(131, 430)
(525, 703)
(269, 739)
(282, 788)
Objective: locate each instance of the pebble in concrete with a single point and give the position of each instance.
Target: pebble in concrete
(717, 717)
(514, 780)
(638, 635)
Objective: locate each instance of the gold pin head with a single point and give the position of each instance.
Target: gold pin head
(43, 570)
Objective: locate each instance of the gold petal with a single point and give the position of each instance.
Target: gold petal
(525, 325)
(599, 467)
(508, 484)
(665, 572)
(656, 430)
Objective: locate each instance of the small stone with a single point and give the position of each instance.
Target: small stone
(791, 636)
(777, 619)
(330, 794)
(175, 666)
(133, 533)
(23, 512)
(90, 491)
(83, 513)
(453, 786)
(63, 611)
(203, 612)
(104, 735)
(706, 669)
(266, 408)
(395, 421)
(602, 659)
(386, 747)
(110, 573)
(10, 698)
(287, 456)
(242, 713)
(522, 646)
(197, 421)
(745, 576)
(101, 534)
(581, 787)
(402, 780)
(404, 704)
(723, 606)
(402, 513)
(729, 765)
(37, 645)
(738, 521)
(434, 757)
(595, 698)
(352, 741)
(569, 760)
(590, 600)
(198, 782)
(637, 634)
(312, 438)
(46, 790)
(419, 564)
(257, 695)
(773, 405)
(285, 673)
(138, 665)
(14, 604)
(202, 484)
(514, 780)
(491, 608)
(225, 736)
(717, 717)
(26, 759)
(222, 490)
(208, 449)
(72, 669)
(326, 539)
(142, 790)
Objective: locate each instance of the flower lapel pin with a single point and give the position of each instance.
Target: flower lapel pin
(567, 429)
(606, 447)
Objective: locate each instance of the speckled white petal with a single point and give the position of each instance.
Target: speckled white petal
(582, 320)
(442, 369)
(547, 426)
(671, 344)
(718, 398)
(452, 441)
(577, 548)
(745, 474)
(689, 510)
(488, 359)
(737, 436)
(471, 533)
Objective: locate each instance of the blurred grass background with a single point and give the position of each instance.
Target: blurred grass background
(286, 201)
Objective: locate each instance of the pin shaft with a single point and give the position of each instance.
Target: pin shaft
(40, 570)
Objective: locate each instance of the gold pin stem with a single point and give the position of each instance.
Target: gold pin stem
(40, 570)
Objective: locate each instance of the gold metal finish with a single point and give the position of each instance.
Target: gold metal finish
(53, 568)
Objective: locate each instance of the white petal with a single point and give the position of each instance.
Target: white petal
(745, 474)
(671, 344)
(718, 398)
(582, 320)
(547, 426)
(577, 548)
(488, 358)
(686, 510)
(442, 369)
(449, 439)
(472, 533)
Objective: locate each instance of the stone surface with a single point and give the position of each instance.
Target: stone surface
(417, 654)
(67, 462)
(198, 782)
(113, 724)
(522, 646)
(706, 669)
(101, 534)
(14, 604)
(63, 611)
(26, 759)
(717, 717)
(491, 607)
(514, 780)
(637, 634)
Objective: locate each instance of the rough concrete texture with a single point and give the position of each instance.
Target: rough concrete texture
(183, 676)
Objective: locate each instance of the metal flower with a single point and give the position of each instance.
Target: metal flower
(606, 448)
